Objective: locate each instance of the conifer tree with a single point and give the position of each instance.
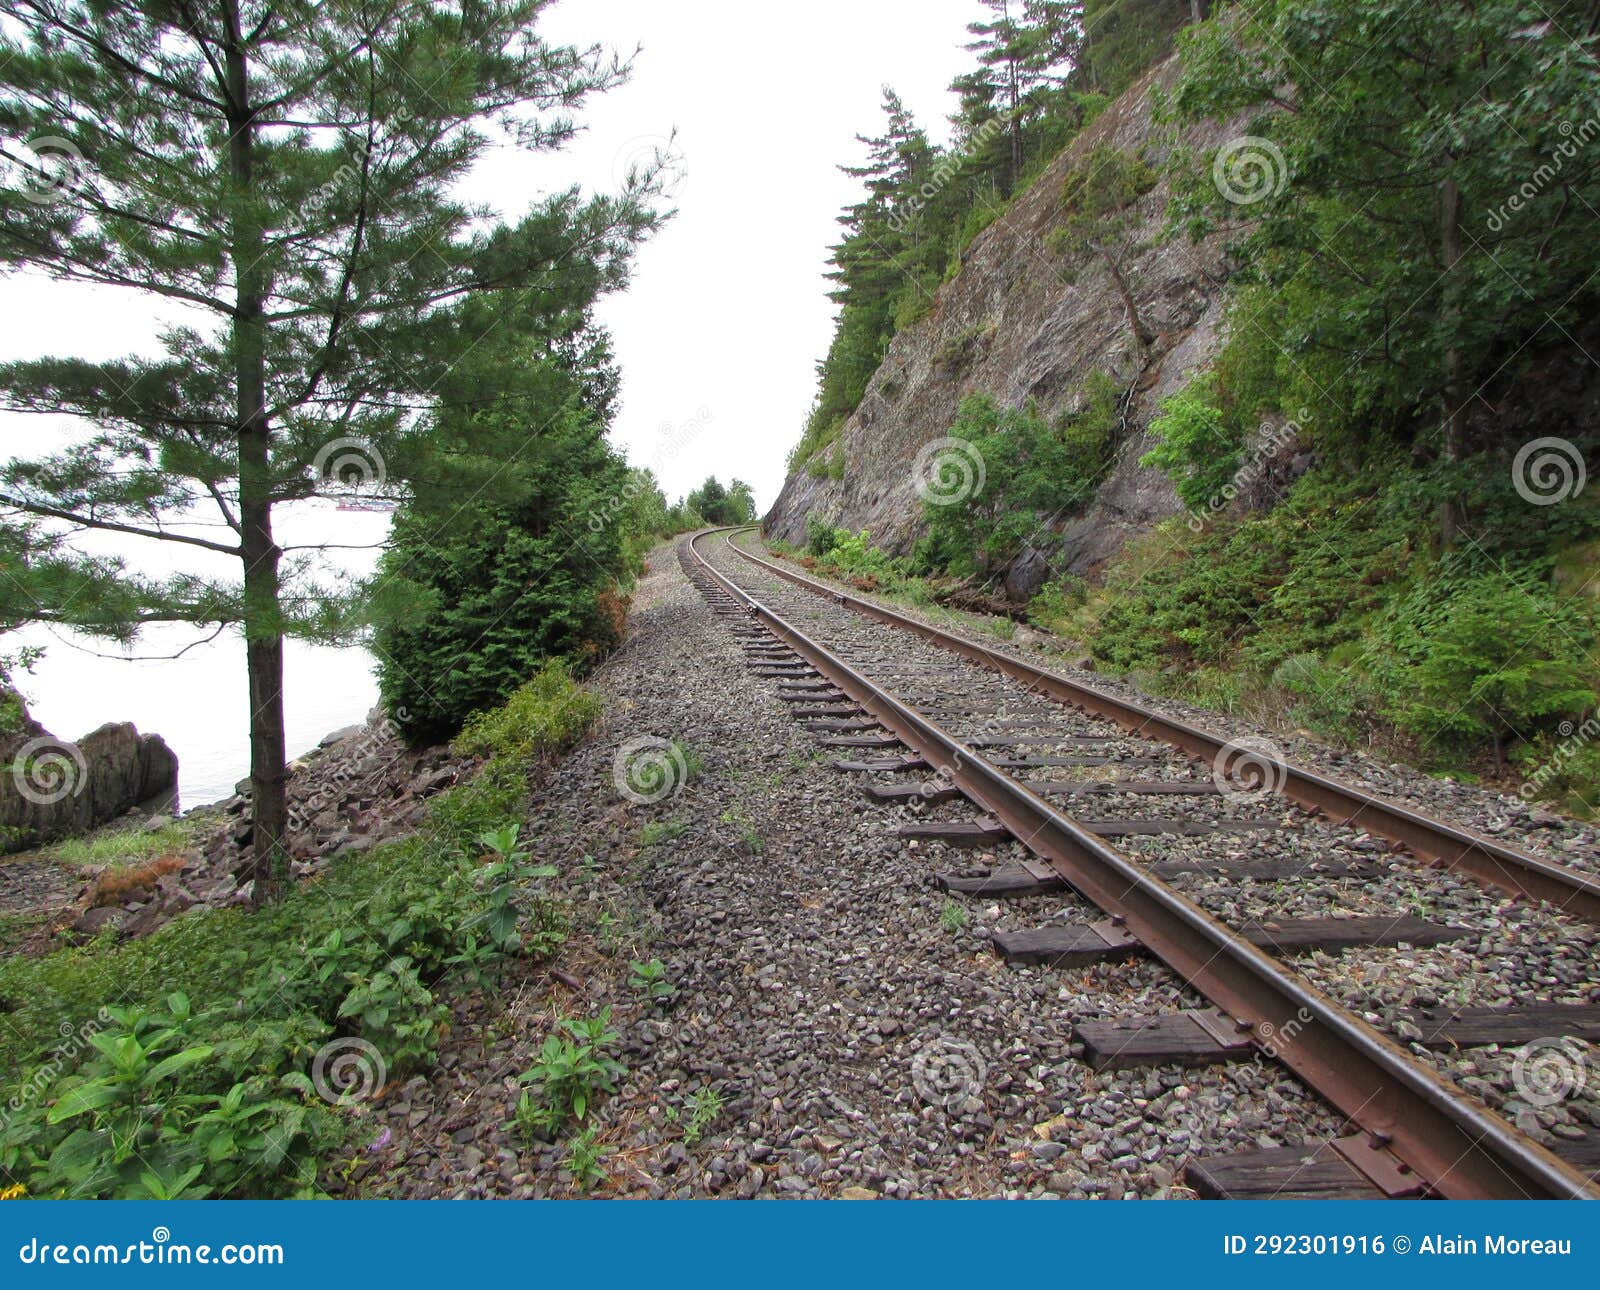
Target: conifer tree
(284, 172)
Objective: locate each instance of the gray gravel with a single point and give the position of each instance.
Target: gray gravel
(859, 1047)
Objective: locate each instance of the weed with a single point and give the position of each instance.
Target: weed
(704, 1107)
(650, 979)
(583, 1159)
(952, 916)
(573, 1068)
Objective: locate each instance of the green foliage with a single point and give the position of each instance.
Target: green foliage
(201, 1085)
(1194, 444)
(704, 1107)
(542, 717)
(1482, 655)
(718, 505)
(573, 1069)
(1037, 81)
(650, 980)
(822, 537)
(1417, 224)
(584, 1161)
(952, 916)
(151, 1113)
(302, 209)
(1033, 474)
(502, 880)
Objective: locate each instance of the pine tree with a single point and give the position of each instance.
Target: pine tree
(284, 172)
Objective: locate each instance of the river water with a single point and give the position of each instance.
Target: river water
(197, 701)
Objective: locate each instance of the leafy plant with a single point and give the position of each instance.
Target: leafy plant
(650, 979)
(501, 880)
(952, 916)
(584, 1159)
(572, 1069)
(704, 1107)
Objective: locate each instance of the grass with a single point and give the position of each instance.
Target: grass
(387, 926)
(659, 831)
(120, 847)
(952, 916)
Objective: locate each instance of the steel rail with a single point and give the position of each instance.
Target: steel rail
(1420, 1124)
(1519, 872)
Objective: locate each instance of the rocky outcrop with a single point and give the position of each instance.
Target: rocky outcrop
(362, 785)
(54, 788)
(1023, 321)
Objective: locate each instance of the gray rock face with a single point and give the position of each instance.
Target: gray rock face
(52, 788)
(1029, 322)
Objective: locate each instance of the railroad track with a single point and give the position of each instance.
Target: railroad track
(1243, 874)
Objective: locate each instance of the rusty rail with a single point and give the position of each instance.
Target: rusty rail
(1419, 1125)
(1519, 872)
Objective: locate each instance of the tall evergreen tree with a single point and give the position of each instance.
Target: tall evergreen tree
(284, 171)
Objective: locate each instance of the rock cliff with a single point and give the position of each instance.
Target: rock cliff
(52, 788)
(1022, 321)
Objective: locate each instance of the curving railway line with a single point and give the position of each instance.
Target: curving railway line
(1239, 871)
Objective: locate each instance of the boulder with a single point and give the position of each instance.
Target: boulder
(52, 788)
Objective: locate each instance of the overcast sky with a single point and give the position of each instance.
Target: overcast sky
(718, 335)
(728, 312)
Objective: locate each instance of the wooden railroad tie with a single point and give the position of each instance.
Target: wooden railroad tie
(1075, 944)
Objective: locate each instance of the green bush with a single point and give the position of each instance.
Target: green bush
(1476, 656)
(543, 716)
(1032, 473)
(203, 1084)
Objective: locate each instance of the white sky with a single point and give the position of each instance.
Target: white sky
(728, 311)
(718, 335)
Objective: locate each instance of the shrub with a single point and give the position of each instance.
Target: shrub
(1033, 473)
(1476, 656)
(546, 715)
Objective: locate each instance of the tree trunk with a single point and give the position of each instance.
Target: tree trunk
(1454, 396)
(262, 619)
(1143, 333)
